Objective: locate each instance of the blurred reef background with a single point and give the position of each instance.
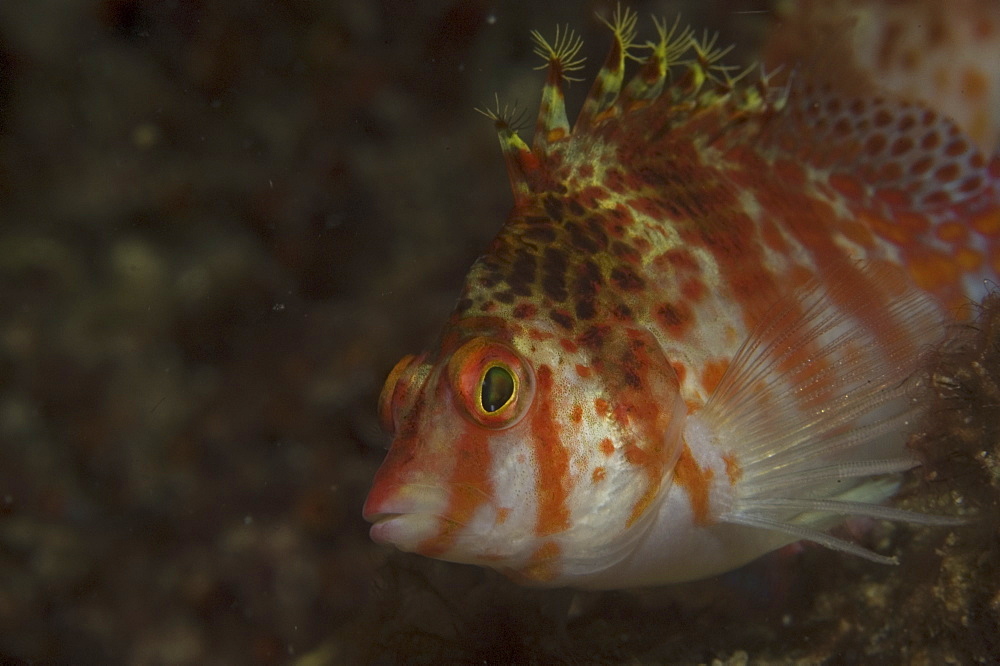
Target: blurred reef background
(221, 223)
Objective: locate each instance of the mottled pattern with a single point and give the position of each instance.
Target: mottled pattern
(944, 55)
(646, 247)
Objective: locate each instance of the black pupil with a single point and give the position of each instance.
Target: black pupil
(498, 388)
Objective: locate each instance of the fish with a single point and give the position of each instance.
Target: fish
(698, 336)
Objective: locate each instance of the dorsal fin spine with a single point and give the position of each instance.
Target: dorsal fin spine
(647, 84)
(608, 82)
(561, 57)
(522, 164)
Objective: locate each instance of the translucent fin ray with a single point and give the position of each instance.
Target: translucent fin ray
(811, 534)
(816, 405)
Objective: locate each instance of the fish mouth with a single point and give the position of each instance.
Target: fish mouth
(404, 516)
(405, 531)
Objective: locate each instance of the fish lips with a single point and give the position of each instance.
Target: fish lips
(405, 515)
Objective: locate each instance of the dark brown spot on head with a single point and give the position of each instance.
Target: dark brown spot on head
(562, 318)
(580, 239)
(593, 337)
(554, 267)
(541, 233)
(625, 252)
(525, 310)
(622, 312)
(627, 279)
(554, 208)
(522, 273)
(505, 296)
(585, 309)
(575, 207)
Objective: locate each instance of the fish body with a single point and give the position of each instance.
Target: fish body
(690, 343)
(943, 55)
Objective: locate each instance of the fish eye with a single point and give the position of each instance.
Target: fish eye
(492, 384)
(497, 389)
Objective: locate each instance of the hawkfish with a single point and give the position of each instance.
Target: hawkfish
(694, 339)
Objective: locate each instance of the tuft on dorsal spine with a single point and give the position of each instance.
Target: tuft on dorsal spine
(647, 84)
(561, 57)
(518, 158)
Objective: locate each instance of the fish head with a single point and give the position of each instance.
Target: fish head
(515, 452)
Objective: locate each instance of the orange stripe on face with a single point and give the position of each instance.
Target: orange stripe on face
(551, 459)
(695, 482)
(470, 484)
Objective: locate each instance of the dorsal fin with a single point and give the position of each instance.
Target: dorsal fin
(521, 163)
(904, 153)
(608, 82)
(561, 57)
(647, 84)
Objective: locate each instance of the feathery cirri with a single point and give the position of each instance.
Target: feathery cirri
(692, 341)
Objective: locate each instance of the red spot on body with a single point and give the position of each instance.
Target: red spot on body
(790, 172)
(602, 407)
(693, 289)
(599, 474)
(988, 224)
(773, 237)
(678, 260)
(696, 482)
(846, 185)
(712, 374)
(568, 345)
(535, 334)
(577, 414)
(607, 446)
(675, 319)
(583, 371)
